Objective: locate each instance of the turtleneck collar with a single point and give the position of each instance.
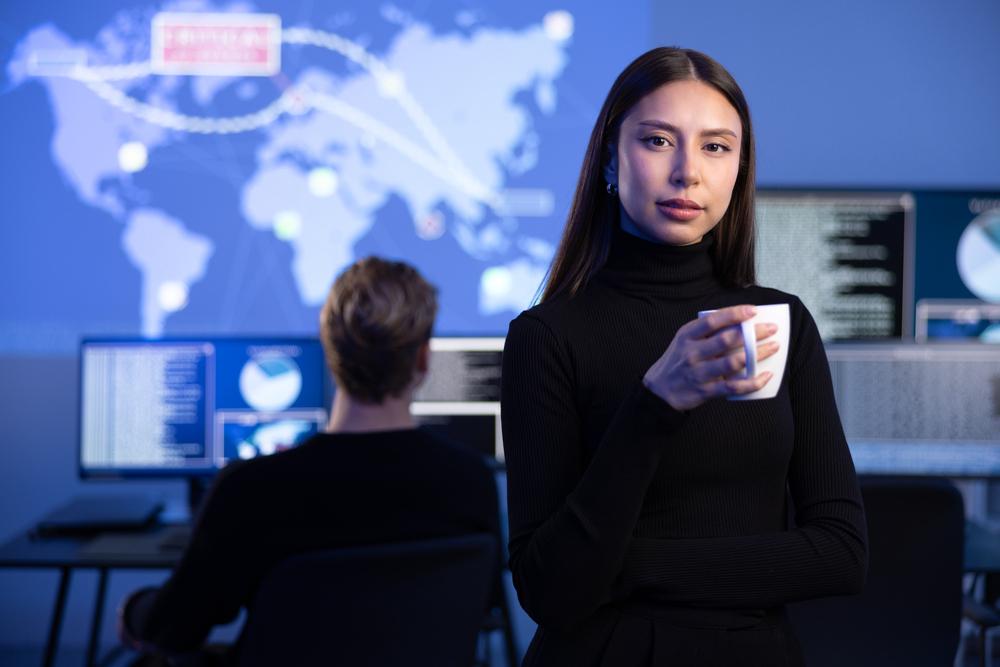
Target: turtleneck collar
(635, 264)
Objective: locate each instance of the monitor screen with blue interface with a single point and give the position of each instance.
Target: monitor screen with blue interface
(187, 407)
(920, 409)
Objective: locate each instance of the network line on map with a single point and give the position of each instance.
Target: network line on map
(443, 163)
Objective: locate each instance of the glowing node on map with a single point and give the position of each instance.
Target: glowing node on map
(297, 101)
(172, 296)
(430, 227)
(558, 25)
(133, 157)
(246, 451)
(323, 182)
(466, 18)
(287, 225)
(496, 282)
(390, 84)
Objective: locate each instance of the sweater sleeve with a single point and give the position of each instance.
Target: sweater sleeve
(208, 585)
(825, 554)
(570, 522)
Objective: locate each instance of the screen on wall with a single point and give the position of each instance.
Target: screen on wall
(197, 166)
(193, 167)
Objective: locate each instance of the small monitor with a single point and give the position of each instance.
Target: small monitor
(847, 254)
(920, 409)
(460, 398)
(957, 321)
(185, 407)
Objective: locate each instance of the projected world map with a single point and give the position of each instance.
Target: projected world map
(438, 139)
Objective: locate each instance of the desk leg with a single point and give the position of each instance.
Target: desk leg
(95, 622)
(57, 618)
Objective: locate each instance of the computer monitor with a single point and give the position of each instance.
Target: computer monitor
(460, 398)
(185, 407)
(920, 409)
(849, 256)
(958, 320)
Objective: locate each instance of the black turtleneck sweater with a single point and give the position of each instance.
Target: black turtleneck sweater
(615, 498)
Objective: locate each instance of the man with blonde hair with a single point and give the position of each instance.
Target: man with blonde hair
(373, 477)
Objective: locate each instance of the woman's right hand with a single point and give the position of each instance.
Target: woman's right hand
(705, 357)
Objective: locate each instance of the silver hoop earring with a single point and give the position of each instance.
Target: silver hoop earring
(612, 189)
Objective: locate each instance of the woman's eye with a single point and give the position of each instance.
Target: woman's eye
(717, 148)
(657, 141)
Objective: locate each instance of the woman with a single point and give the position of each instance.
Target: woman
(649, 521)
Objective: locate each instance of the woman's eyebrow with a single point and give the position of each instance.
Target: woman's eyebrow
(712, 132)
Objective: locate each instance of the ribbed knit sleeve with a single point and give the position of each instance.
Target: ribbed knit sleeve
(825, 554)
(571, 521)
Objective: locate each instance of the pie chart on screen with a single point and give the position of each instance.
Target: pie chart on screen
(979, 256)
(270, 383)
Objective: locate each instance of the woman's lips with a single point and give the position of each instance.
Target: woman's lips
(682, 210)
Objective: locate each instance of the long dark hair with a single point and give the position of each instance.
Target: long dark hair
(594, 215)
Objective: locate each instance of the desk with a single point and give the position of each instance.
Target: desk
(135, 551)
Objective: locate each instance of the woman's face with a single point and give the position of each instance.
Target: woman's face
(676, 162)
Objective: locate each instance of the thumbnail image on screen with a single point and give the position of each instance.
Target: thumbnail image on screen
(186, 407)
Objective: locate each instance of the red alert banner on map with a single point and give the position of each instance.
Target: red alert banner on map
(216, 44)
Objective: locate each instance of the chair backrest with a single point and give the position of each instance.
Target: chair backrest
(910, 612)
(414, 603)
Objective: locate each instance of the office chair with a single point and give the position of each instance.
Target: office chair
(910, 612)
(415, 603)
(498, 619)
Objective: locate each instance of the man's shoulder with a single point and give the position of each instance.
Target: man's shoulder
(280, 464)
(387, 448)
(450, 452)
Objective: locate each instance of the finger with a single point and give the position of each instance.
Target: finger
(721, 368)
(765, 330)
(766, 350)
(739, 387)
(718, 344)
(715, 388)
(724, 317)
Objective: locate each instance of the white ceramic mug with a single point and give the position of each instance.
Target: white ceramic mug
(776, 313)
